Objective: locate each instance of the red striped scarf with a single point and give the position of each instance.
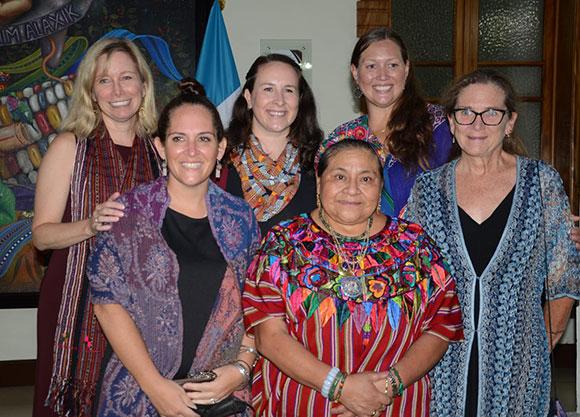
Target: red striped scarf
(98, 172)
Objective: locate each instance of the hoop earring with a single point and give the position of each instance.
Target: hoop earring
(357, 92)
(218, 169)
(164, 167)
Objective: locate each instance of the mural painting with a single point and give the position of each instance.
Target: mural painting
(41, 45)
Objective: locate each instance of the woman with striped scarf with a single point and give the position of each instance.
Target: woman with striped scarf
(104, 149)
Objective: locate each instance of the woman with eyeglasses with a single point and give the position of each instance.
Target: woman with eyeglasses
(413, 135)
(501, 219)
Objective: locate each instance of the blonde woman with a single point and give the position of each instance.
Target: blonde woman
(103, 150)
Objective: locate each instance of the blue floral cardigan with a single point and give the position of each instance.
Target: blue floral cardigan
(514, 369)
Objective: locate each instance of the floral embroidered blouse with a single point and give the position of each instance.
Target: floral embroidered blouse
(404, 290)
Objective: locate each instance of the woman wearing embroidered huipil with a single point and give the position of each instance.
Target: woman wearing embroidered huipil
(167, 279)
(348, 305)
(502, 222)
(271, 141)
(105, 149)
(414, 135)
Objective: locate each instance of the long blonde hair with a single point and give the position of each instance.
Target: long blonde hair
(82, 118)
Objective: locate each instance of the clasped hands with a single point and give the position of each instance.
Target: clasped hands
(364, 394)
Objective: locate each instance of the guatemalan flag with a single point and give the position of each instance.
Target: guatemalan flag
(216, 68)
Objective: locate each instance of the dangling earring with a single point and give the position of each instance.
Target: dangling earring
(453, 139)
(507, 135)
(379, 206)
(95, 104)
(164, 167)
(218, 169)
(357, 92)
(141, 110)
(318, 201)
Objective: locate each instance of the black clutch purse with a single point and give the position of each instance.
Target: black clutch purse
(226, 407)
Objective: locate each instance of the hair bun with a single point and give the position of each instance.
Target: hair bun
(191, 86)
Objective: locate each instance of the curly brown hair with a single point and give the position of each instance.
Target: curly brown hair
(411, 131)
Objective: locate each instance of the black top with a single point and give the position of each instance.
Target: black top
(481, 241)
(304, 201)
(201, 271)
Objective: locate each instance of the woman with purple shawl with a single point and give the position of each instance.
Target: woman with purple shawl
(167, 279)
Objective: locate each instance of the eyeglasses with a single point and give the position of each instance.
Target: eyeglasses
(490, 117)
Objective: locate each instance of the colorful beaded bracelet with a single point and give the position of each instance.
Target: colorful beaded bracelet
(401, 386)
(340, 386)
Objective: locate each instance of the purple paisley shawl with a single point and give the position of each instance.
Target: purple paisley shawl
(133, 266)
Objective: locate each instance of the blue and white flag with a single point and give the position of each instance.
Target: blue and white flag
(216, 68)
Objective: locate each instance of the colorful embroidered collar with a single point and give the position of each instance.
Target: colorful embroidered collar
(399, 272)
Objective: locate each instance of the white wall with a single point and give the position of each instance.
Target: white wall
(17, 334)
(331, 25)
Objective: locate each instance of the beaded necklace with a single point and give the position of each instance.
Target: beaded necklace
(267, 185)
(352, 286)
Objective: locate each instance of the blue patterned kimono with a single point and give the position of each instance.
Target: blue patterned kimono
(514, 368)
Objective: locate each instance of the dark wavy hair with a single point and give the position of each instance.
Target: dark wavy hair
(190, 92)
(511, 144)
(304, 131)
(411, 131)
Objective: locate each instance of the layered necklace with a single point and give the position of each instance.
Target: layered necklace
(352, 286)
(268, 185)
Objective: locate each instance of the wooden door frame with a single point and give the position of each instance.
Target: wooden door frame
(561, 82)
(547, 147)
(466, 36)
(575, 174)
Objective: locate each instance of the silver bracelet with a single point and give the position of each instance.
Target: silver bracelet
(244, 372)
(249, 349)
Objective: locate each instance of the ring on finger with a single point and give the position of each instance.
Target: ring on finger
(374, 413)
(212, 400)
(96, 220)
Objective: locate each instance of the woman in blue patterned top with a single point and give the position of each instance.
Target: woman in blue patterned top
(501, 220)
(414, 135)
